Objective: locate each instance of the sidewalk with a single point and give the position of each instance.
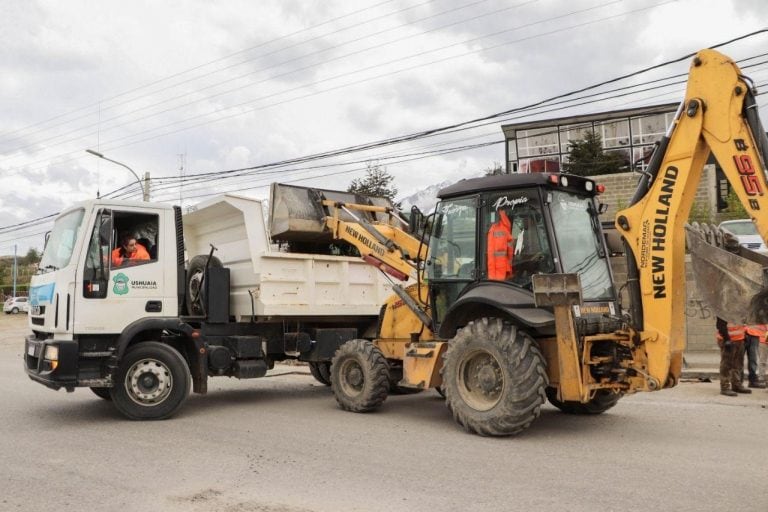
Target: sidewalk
(700, 364)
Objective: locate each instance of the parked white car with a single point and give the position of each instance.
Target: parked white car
(746, 233)
(15, 305)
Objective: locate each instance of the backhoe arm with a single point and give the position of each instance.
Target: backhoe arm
(717, 115)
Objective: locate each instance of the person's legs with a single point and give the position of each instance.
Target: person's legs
(726, 358)
(737, 369)
(751, 346)
(762, 361)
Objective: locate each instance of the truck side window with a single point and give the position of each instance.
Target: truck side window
(97, 258)
(134, 239)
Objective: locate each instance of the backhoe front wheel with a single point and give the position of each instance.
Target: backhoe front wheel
(493, 378)
(152, 382)
(359, 376)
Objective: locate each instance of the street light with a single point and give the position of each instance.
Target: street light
(144, 192)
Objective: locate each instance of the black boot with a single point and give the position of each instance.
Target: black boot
(727, 392)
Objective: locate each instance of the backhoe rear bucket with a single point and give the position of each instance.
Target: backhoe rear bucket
(731, 281)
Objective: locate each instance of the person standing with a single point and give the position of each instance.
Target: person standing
(730, 339)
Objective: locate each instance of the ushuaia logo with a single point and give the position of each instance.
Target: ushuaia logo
(121, 284)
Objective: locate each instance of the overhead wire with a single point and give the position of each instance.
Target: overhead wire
(573, 92)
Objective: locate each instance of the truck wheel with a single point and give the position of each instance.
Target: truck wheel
(152, 382)
(359, 376)
(321, 371)
(194, 296)
(493, 378)
(603, 400)
(102, 393)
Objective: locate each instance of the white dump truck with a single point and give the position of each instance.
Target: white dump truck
(141, 303)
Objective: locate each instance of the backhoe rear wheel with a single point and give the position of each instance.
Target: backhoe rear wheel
(359, 376)
(494, 378)
(603, 400)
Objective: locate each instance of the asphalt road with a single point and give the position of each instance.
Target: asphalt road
(282, 445)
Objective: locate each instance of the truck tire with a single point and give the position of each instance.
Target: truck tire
(603, 400)
(321, 371)
(152, 382)
(493, 378)
(194, 293)
(102, 393)
(359, 376)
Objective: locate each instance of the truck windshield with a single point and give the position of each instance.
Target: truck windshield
(58, 250)
(575, 222)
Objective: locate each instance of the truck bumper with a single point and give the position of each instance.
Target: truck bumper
(52, 363)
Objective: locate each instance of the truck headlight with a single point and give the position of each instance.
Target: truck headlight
(52, 355)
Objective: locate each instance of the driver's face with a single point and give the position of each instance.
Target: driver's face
(130, 246)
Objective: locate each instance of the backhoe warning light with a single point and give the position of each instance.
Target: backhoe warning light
(600, 189)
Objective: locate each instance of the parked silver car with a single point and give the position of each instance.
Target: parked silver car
(746, 233)
(15, 305)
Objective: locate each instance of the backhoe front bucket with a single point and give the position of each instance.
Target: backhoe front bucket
(297, 213)
(731, 281)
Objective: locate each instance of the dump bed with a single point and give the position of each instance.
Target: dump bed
(268, 282)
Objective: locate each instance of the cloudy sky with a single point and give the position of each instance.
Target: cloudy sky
(224, 89)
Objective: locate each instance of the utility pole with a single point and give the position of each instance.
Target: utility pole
(145, 188)
(15, 271)
(182, 161)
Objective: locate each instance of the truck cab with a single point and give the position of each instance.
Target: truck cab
(85, 294)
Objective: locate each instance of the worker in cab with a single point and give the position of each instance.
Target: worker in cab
(500, 248)
(129, 252)
(730, 339)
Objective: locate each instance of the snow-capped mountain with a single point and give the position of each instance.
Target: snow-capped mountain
(425, 199)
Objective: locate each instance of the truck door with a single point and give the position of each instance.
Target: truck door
(123, 272)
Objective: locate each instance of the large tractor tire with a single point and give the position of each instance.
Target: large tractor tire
(102, 393)
(494, 378)
(603, 400)
(321, 371)
(153, 381)
(359, 376)
(195, 292)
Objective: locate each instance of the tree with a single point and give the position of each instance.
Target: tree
(494, 170)
(377, 182)
(33, 256)
(587, 158)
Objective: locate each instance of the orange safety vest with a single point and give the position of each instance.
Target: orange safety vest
(500, 248)
(735, 333)
(758, 330)
(118, 255)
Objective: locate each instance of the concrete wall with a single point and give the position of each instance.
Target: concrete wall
(700, 322)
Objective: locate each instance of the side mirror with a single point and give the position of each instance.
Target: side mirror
(47, 237)
(416, 220)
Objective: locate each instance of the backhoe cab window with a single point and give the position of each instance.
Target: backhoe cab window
(452, 246)
(134, 239)
(516, 245)
(581, 247)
